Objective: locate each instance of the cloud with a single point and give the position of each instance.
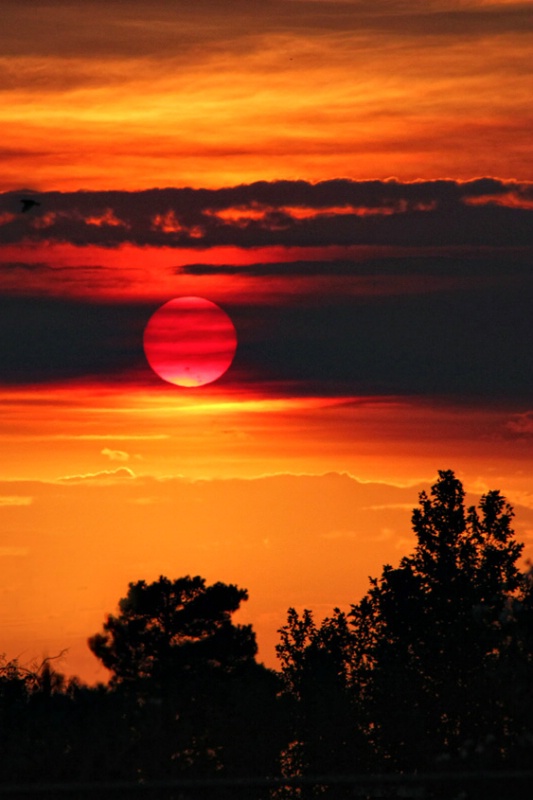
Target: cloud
(440, 266)
(15, 500)
(482, 212)
(521, 424)
(85, 338)
(115, 455)
(99, 477)
(106, 30)
(36, 266)
(278, 80)
(469, 342)
(149, 501)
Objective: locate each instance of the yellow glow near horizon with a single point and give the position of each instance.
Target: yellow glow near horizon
(211, 434)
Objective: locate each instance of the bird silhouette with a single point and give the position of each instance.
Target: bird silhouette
(27, 204)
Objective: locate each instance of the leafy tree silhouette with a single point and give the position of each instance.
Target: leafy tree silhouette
(197, 700)
(428, 655)
(168, 627)
(322, 706)
(435, 628)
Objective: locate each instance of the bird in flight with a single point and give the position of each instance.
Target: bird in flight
(27, 204)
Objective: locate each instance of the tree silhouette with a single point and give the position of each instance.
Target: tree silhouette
(195, 698)
(433, 668)
(437, 630)
(322, 704)
(437, 627)
(37, 722)
(169, 627)
(426, 660)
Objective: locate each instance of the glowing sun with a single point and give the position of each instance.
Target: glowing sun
(190, 341)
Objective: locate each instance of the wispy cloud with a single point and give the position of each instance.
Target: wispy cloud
(115, 455)
(15, 500)
(262, 89)
(71, 29)
(99, 477)
(521, 424)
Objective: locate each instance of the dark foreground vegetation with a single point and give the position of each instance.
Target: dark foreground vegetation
(431, 672)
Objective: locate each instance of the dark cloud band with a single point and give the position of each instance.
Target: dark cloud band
(484, 212)
(473, 343)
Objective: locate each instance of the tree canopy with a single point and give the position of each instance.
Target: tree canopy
(424, 655)
(170, 627)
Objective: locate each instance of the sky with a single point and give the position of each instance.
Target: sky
(352, 183)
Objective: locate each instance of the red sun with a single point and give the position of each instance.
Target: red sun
(190, 341)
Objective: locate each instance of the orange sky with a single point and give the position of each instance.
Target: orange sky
(107, 94)
(118, 485)
(383, 326)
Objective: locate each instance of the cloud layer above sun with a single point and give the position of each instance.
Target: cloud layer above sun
(482, 212)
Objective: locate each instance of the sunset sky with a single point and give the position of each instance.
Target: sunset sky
(352, 183)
